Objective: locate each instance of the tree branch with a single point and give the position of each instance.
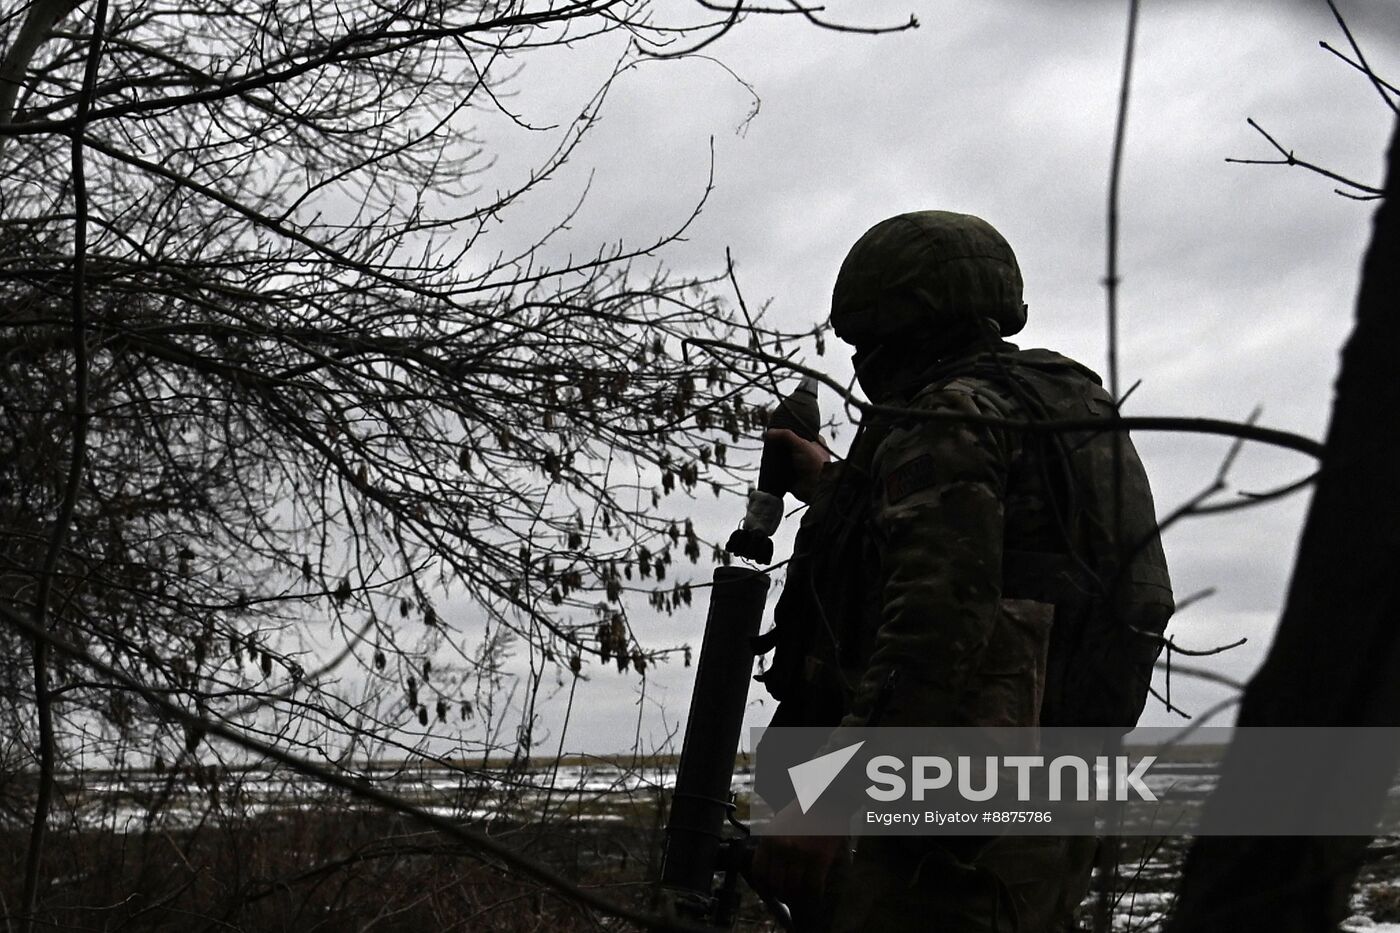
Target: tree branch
(42, 17)
(63, 523)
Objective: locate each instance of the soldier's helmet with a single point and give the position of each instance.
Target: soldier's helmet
(927, 275)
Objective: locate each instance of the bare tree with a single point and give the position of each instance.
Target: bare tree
(260, 372)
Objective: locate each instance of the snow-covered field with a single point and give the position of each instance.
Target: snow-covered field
(586, 794)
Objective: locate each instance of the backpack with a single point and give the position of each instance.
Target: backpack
(1109, 582)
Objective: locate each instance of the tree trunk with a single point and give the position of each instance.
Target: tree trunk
(1335, 660)
(42, 17)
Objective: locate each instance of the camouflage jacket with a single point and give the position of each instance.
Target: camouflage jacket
(927, 571)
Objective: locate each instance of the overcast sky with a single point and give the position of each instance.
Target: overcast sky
(1238, 281)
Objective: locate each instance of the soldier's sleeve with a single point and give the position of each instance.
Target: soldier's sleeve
(938, 519)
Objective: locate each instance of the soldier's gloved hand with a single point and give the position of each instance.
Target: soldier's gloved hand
(795, 869)
(808, 458)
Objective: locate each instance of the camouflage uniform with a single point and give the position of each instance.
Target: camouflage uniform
(928, 570)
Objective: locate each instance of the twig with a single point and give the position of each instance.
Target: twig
(1111, 278)
(736, 11)
(1108, 855)
(1193, 506)
(1187, 601)
(769, 370)
(1290, 159)
(1365, 66)
(1128, 393)
(809, 15)
(1169, 668)
(1384, 83)
(1201, 673)
(1248, 499)
(719, 33)
(1204, 652)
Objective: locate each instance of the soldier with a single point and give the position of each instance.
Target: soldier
(952, 572)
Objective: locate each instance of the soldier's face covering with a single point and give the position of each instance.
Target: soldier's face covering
(894, 370)
(885, 371)
(891, 372)
(867, 362)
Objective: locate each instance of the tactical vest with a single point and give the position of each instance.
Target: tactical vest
(1097, 558)
(828, 607)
